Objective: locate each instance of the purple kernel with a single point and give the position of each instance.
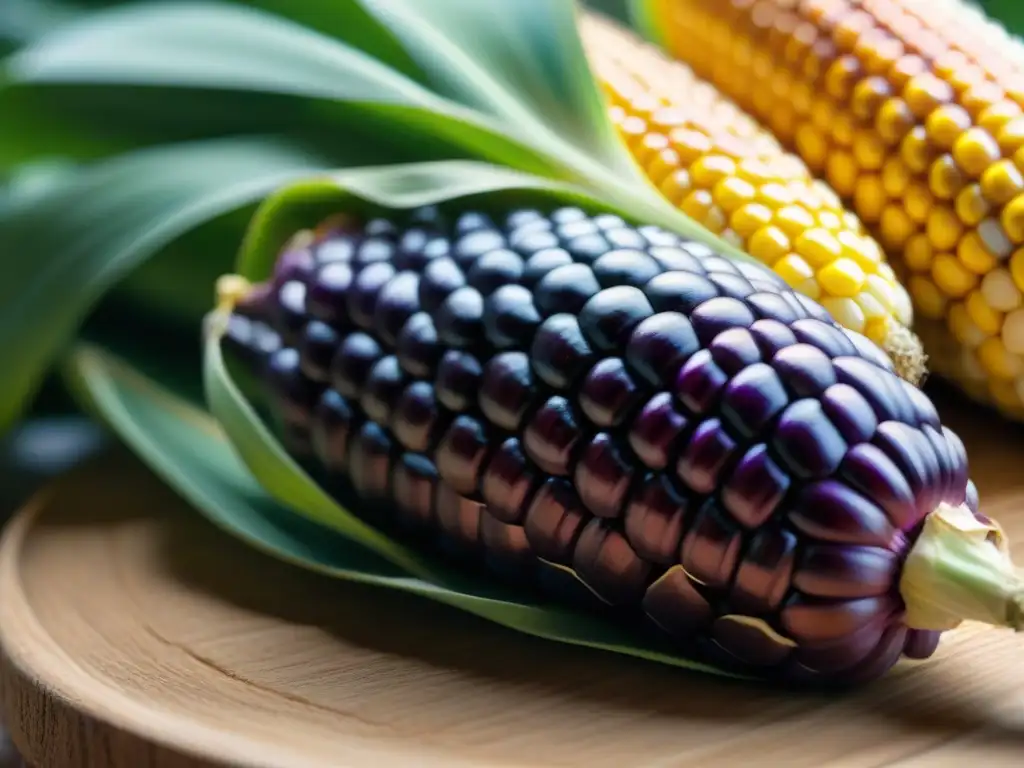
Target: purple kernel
(679, 292)
(369, 461)
(733, 286)
(655, 431)
(383, 387)
(675, 604)
(762, 579)
(609, 318)
(325, 297)
(718, 315)
(459, 319)
(806, 442)
(773, 307)
(849, 412)
(510, 318)
(543, 262)
(754, 489)
(771, 337)
(825, 336)
(751, 643)
(625, 267)
(353, 362)
(458, 517)
(605, 562)
(362, 296)
(711, 547)
(654, 520)
(751, 399)
(660, 345)
(811, 622)
(332, 426)
(833, 512)
(559, 353)
(551, 436)
(608, 393)
(508, 482)
(704, 457)
(440, 278)
(565, 289)
(734, 349)
(506, 389)
(473, 245)
(805, 370)
(831, 571)
(603, 476)
(495, 269)
(699, 383)
(291, 310)
(673, 258)
(461, 453)
(869, 471)
(416, 417)
(417, 349)
(413, 489)
(458, 380)
(317, 346)
(396, 303)
(554, 521)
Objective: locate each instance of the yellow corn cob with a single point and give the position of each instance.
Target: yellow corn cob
(912, 111)
(732, 176)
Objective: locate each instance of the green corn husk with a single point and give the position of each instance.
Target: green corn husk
(189, 128)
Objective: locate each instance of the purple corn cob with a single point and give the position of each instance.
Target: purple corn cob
(705, 448)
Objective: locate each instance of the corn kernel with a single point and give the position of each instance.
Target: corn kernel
(945, 179)
(676, 186)
(918, 253)
(973, 255)
(869, 198)
(880, 289)
(818, 246)
(732, 192)
(944, 228)
(842, 172)
(945, 125)
(769, 244)
(793, 220)
(749, 218)
(929, 301)
(1002, 182)
(1013, 332)
(812, 146)
(951, 277)
(916, 151)
(1000, 291)
(868, 150)
(691, 145)
(994, 238)
(965, 331)
(844, 311)
(925, 92)
(982, 314)
(794, 270)
(1011, 136)
(975, 151)
(698, 204)
(843, 129)
(917, 202)
(711, 169)
(997, 360)
(715, 220)
(868, 96)
(895, 177)
(895, 227)
(998, 115)
(894, 120)
(842, 277)
(861, 249)
(971, 205)
(1012, 219)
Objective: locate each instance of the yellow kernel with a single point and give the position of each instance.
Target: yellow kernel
(944, 228)
(963, 328)
(662, 165)
(676, 186)
(918, 253)
(973, 255)
(841, 171)
(951, 277)
(1001, 182)
(830, 220)
(946, 123)
(775, 195)
(945, 179)
(711, 169)
(715, 220)
(1017, 268)
(869, 198)
(843, 277)
(996, 360)
(877, 329)
(1000, 292)
(917, 202)
(812, 145)
(868, 150)
(868, 96)
(691, 145)
(840, 77)
(749, 218)
(793, 220)
(984, 316)
(1011, 136)
(895, 227)
(844, 311)
(697, 204)
(975, 151)
(895, 177)
(769, 244)
(929, 301)
(993, 118)
(732, 192)
(861, 249)
(1012, 219)
(894, 120)
(1013, 332)
(924, 92)
(843, 129)
(916, 151)
(818, 246)
(754, 170)
(794, 270)
(971, 205)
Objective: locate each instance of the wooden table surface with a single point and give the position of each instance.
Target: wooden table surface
(135, 634)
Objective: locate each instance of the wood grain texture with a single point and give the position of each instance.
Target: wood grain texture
(133, 634)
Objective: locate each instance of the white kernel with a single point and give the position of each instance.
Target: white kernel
(994, 238)
(1013, 332)
(999, 291)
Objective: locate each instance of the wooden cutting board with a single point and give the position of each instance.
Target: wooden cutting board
(134, 634)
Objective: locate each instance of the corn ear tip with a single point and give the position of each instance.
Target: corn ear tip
(907, 353)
